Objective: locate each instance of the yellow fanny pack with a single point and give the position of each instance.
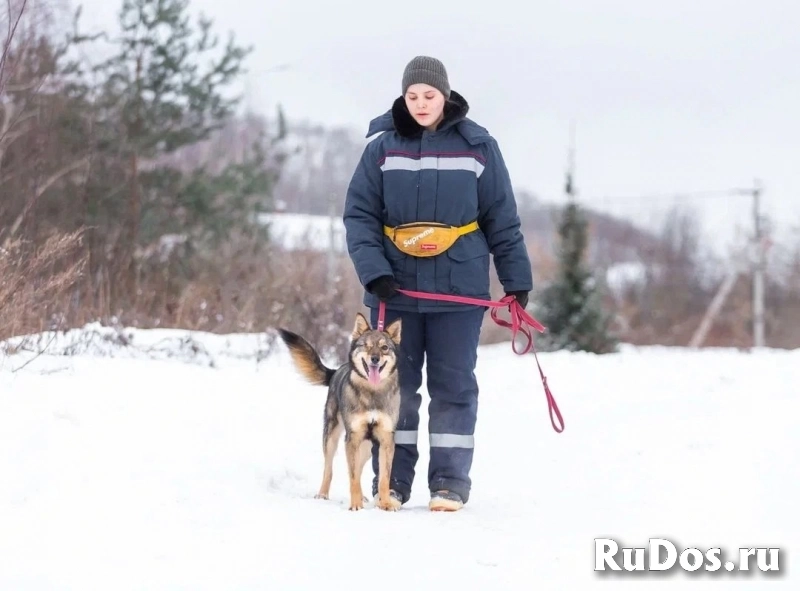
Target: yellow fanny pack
(426, 239)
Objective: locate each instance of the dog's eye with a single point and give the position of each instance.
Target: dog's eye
(384, 347)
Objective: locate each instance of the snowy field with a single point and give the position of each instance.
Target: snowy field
(191, 464)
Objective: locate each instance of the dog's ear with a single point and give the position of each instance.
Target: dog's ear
(394, 330)
(361, 326)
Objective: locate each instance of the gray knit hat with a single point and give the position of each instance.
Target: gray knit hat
(426, 70)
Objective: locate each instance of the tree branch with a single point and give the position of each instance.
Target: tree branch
(12, 29)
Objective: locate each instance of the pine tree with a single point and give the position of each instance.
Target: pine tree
(571, 307)
(167, 87)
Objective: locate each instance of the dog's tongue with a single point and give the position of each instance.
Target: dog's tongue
(374, 374)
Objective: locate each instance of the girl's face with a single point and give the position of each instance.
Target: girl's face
(426, 105)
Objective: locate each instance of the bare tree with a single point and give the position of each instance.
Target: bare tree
(14, 16)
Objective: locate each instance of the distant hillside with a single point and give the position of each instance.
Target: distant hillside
(659, 283)
(315, 176)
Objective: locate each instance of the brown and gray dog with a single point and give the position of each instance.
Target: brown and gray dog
(363, 403)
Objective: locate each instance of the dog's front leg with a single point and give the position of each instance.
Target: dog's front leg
(385, 459)
(352, 449)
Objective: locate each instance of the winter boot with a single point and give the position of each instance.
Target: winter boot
(445, 500)
(394, 498)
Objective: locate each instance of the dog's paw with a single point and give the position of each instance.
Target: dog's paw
(356, 506)
(322, 496)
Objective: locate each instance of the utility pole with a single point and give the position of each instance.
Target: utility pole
(714, 308)
(759, 264)
(757, 260)
(569, 184)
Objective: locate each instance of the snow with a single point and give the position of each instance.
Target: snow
(622, 275)
(165, 459)
(300, 231)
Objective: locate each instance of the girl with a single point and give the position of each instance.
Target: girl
(430, 200)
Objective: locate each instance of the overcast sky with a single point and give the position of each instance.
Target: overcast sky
(686, 95)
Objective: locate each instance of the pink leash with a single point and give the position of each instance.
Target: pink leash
(520, 321)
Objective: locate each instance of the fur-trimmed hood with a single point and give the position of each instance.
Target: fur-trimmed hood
(398, 119)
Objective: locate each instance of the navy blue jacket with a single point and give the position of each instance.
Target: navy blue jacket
(453, 175)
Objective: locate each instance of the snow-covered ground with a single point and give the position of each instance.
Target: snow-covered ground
(305, 231)
(147, 467)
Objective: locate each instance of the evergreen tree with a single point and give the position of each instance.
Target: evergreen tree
(167, 87)
(571, 307)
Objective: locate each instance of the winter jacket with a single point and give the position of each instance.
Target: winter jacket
(453, 175)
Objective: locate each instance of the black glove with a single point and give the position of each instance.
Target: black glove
(384, 287)
(520, 296)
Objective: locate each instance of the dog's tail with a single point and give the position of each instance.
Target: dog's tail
(306, 359)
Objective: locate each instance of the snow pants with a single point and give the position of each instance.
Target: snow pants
(447, 342)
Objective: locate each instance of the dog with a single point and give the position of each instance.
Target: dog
(363, 402)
